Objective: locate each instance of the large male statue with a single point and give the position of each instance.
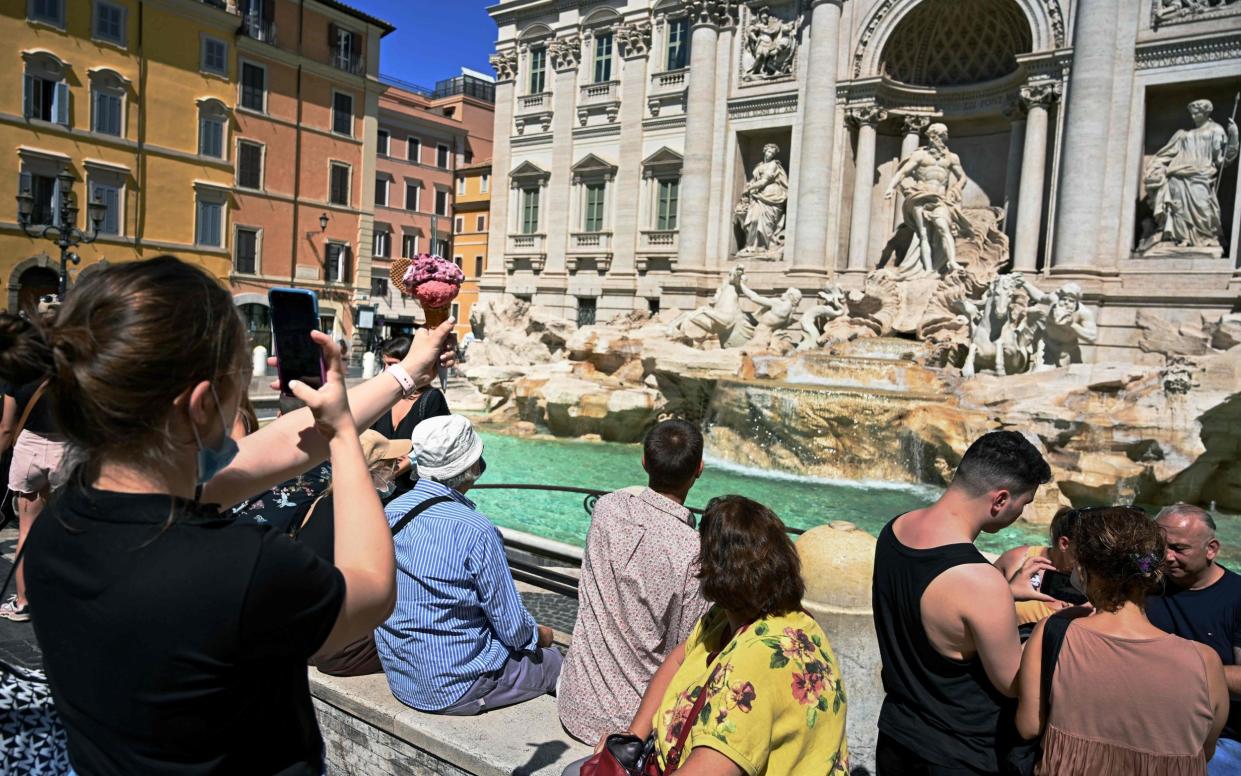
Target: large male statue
(931, 180)
(1068, 323)
(776, 317)
(1181, 181)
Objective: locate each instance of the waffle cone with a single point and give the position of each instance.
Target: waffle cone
(396, 273)
(435, 315)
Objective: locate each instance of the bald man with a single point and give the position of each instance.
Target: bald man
(1202, 602)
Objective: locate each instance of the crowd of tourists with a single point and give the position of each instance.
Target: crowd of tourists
(182, 565)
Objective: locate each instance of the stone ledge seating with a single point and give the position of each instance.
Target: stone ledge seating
(523, 740)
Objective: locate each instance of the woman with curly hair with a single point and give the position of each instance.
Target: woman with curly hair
(756, 688)
(1126, 698)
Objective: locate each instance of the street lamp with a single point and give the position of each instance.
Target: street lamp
(66, 234)
(323, 222)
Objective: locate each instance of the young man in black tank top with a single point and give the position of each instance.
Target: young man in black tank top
(945, 620)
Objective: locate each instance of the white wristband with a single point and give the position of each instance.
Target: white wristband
(408, 386)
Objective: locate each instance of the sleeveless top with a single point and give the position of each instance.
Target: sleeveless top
(1100, 725)
(946, 710)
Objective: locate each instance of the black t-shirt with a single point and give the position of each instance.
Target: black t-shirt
(40, 419)
(430, 404)
(1211, 616)
(178, 647)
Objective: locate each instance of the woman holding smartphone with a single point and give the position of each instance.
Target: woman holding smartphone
(175, 639)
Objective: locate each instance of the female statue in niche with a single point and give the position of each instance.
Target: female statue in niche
(1181, 182)
(760, 210)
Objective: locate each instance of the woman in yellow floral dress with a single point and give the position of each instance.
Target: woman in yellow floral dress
(775, 701)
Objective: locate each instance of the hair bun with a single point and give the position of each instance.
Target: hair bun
(24, 353)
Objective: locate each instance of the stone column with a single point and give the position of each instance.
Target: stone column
(564, 54)
(634, 44)
(1088, 124)
(505, 64)
(1012, 180)
(1036, 98)
(699, 133)
(863, 183)
(814, 171)
(914, 126)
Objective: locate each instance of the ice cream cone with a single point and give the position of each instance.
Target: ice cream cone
(396, 273)
(435, 315)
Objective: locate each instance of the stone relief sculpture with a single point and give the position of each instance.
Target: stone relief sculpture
(814, 320)
(776, 319)
(718, 320)
(1004, 336)
(770, 43)
(931, 180)
(1067, 323)
(1168, 11)
(759, 213)
(1182, 183)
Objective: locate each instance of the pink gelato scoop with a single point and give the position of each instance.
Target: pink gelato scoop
(435, 281)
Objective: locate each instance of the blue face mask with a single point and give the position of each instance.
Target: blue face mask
(213, 460)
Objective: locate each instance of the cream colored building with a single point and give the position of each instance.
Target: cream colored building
(627, 131)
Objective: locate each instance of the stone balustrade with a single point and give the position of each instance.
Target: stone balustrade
(607, 91)
(658, 241)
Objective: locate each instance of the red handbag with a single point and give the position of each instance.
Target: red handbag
(624, 754)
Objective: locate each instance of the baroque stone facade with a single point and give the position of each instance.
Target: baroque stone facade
(650, 146)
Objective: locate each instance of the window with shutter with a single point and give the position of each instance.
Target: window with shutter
(249, 165)
(478, 266)
(107, 113)
(441, 203)
(109, 22)
(480, 224)
(208, 231)
(60, 104)
(414, 150)
(47, 11)
(593, 220)
(441, 157)
(409, 246)
(253, 87)
(110, 196)
(530, 211)
(412, 192)
(43, 189)
(339, 185)
(669, 192)
(214, 56)
(382, 142)
(381, 192)
(342, 113)
(246, 247)
(211, 137)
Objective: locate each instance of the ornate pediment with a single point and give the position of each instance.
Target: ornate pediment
(591, 166)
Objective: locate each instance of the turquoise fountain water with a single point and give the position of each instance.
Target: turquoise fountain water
(799, 501)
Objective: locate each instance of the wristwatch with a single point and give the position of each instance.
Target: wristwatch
(409, 386)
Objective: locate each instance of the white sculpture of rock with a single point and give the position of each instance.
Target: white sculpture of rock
(1067, 324)
(770, 44)
(1182, 184)
(1004, 339)
(760, 210)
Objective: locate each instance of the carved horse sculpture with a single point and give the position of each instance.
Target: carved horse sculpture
(723, 318)
(1004, 339)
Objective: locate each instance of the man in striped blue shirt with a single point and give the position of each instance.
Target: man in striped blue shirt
(460, 641)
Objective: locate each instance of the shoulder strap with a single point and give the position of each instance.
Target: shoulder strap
(674, 754)
(1054, 631)
(34, 399)
(418, 510)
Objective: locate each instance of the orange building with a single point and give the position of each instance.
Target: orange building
(425, 136)
(471, 221)
(306, 125)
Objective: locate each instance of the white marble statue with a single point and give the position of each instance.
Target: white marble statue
(1004, 336)
(1182, 182)
(769, 46)
(1066, 323)
(722, 319)
(776, 319)
(760, 210)
(834, 305)
(930, 181)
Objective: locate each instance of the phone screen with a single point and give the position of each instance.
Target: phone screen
(294, 314)
(1058, 585)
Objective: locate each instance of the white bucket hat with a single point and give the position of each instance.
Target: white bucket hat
(445, 446)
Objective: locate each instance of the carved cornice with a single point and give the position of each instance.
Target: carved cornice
(1188, 51)
(1164, 12)
(868, 115)
(565, 52)
(505, 64)
(766, 105)
(633, 39)
(1042, 94)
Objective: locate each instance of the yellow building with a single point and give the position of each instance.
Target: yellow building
(133, 100)
(471, 220)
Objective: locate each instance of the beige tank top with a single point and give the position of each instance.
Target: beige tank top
(1121, 707)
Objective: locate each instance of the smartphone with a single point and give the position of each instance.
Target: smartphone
(294, 314)
(1058, 585)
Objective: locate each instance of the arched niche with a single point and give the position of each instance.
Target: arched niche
(1044, 18)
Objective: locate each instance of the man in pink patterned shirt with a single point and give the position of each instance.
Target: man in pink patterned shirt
(639, 595)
